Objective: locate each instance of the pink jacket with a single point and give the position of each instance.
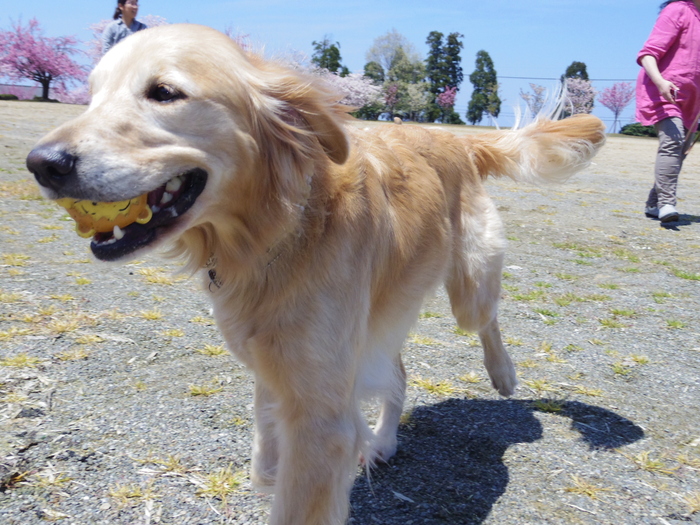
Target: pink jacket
(675, 43)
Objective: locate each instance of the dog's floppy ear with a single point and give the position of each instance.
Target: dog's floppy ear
(314, 111)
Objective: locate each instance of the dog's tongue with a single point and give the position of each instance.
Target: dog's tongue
(103, 217)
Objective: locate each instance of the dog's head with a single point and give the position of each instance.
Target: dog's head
(180, 114)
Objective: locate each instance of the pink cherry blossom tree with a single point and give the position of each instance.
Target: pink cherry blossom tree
(580, 95)
(616, 98)
(356, 89)
(535, 100)
(446, 101)
(25, 53)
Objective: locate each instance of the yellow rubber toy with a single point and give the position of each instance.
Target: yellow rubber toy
(102, 217)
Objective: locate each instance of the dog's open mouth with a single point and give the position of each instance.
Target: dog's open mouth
(118, 229)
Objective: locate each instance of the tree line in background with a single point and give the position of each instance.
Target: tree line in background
(396, 81)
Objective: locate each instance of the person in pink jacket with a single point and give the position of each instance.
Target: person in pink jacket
(668, 96)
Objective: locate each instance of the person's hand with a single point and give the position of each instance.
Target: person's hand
(668, 90)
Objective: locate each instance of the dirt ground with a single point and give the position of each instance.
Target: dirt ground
(119, 404)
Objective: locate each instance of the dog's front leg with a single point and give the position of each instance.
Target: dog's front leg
(265, 442)
(318, 449)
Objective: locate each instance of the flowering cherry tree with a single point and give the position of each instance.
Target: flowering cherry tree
(446, 99)
(580, 95)
(616, 98)
(357, 90)
(26, 54)
(535, 100)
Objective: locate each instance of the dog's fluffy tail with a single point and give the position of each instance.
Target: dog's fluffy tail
(549, 150)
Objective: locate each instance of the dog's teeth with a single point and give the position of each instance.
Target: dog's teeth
(166, 198)
(118, 233)
(173, 185)
(155, 209)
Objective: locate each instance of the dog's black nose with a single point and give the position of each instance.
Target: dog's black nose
(51, 165)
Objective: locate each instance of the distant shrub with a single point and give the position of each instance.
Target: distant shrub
(638, 130)
(39, 99)
(7, 96)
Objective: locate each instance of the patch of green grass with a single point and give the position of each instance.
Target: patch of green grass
(532, 296)
(471, 377)
(682, 274)
(609, 286)
(438, 388)
(430, 315)
(572, 348)
(631, 269)
(21, 361)
(566, 276)
(692, 502)
(551, 406)
(152, 315)
(73, 354)
(212, 350)
(582, 250)
(220, 484)
(205, 390)
(626, 255)
(540, 385)
(131, 494)
(422, 340)
(9, 298)
(610, 323)
(586, 391)
(660, 297)
(545, 312)
(674, 323)
(206, 321)
(640, 359)
(644, 461)
(15, 259)
(584, 488)
(619, 369)
(623, 313)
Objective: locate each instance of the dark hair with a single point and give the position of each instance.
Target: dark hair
(670, 2)
(118, 12)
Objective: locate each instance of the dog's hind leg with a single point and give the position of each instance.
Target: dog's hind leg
(474, 286)
(265, 442)
(383, 446)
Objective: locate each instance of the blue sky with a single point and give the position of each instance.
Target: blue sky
(535, 40)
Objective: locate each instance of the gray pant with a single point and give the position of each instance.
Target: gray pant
(669, 160)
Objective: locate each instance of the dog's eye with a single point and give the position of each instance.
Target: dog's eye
(164, 93)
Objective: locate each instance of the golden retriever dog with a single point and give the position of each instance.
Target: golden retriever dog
(316, 241)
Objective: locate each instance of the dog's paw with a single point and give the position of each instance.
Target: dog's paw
(503, 378)
(381, 450)
(263, 481)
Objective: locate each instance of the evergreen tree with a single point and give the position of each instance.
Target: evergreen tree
(485, 97)
(443, 70)
(576, 70)
(327, 56)
(375, 71)
(453, 59)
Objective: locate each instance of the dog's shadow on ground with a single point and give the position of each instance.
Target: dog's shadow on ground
(449, 467)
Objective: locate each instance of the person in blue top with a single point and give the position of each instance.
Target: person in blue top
(124, 24)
